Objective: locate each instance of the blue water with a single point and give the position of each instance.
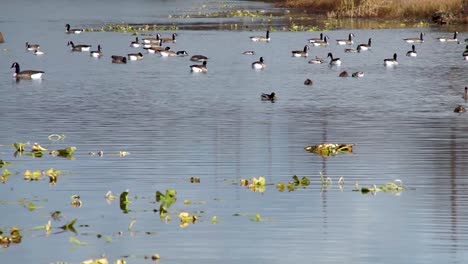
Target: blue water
(177, 125)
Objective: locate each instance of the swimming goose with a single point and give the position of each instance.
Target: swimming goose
(170, 40)
(135, 44)
(312, 40)
(357, 74)
(31, 47)
(323, 42)
(343, 74)
(258, 65)
(157, 43)
(199, 58)
(152, 40)
(459, 109)
(301, 53)
(199, 68)
(96, 53)
(27, 74)
(249, 52)
(167, 52)
(268, 97)
(38, 52)
(261, 38)
(73, 30)
(454, 39)
(154, 49)
(367, 46)
(334, 61)
(415, 40)
(465, 95)
(308, 82)
(348, 41)
(78, 47)
(412, 52)
(391, 62)
(135, 56)
(182, 53)
(118, 59)
(465, 53)
(316, 60)
(351, 51)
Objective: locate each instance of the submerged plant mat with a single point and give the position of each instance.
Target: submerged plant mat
(330, 149)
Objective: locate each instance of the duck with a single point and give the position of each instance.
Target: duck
(170, 40)
(367, 46)
(268, 97)
(308, 82)
(69, 30)
(96, 53)
(323, 42)
(152, 40)
(38, 52)
(316, 60)
(118, 59)
(415, 40)
(357, 74)
(258, 65)
(313, 40)
(199, 68)
(412, 52)
(27, 74)
(301, 53)
(261, 38)
(249, 52)
(182, 53)
(459, 109)
(445, 39)
(135, 56)
(135, 44)
(391, 62)
(334, 61)
(199, 58)
(465, 53)
(343, 74)
(32, 47)
(78, 47)
(348, 41)
(167, 52)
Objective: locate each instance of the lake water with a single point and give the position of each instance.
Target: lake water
(177, 125)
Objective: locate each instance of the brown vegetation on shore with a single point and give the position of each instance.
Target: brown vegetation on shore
(452, 9)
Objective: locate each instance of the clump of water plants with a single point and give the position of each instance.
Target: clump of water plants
(330, 149)
(195, 179)
(75, 201)
(65, 152)
(4, 163)
(294, 184)
(186, 218)
(166, 200)
(5, 175)
(391, 187)
(257, 185)
(15, 237)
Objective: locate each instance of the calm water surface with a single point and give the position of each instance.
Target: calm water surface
(177, 125)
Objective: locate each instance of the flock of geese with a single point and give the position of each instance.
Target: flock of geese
(155, 45)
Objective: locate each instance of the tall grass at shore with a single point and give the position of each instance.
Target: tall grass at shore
(377, 8)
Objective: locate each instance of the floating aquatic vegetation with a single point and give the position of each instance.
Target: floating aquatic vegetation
(195, 179)
(95, 261)
(32, 176)
(56, 137)
(255, 185)
(15, 237)
(53, 175)
(186, 218)
(124, 201)
(70, 226)
(65, 152)
(76, 202)
(214, 219)
(37, 147)
(325, 181)
(4, 163)
(166, 199)
(110, 197)
(5, 175)
(19, 146)
(330, 149)
(56, 215)
(391, 187)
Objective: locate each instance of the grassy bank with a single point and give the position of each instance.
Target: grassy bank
(452, 10)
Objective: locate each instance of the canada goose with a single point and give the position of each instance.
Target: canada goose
(170, 40)
(445, 39)
(152, 40)
(348, 41)
(459, 109)
(415, 40)
(157, 43)
(312, 40)
(78, 47)
(367, 46)
(118, 59)
(73, 30)
(199, 68)
(316, 60)
(391, 62)
(32, 47)
(96, 53)
(261, 38)
(135, 56)
(334, 61)
(323, 42)
(357, 74)
(249, 52)
(301, 53)
(199, 58)
(135, 44)
(27, 74)
(258, 65)
(38, 52)
(154, 49)
(268, 97)
(182, 53)
(351, 51)
(308, 82)
(343, 74)
(412, 52)
(465, 53)
(167, 52)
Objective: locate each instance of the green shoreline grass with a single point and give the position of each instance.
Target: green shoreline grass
(451, 10)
